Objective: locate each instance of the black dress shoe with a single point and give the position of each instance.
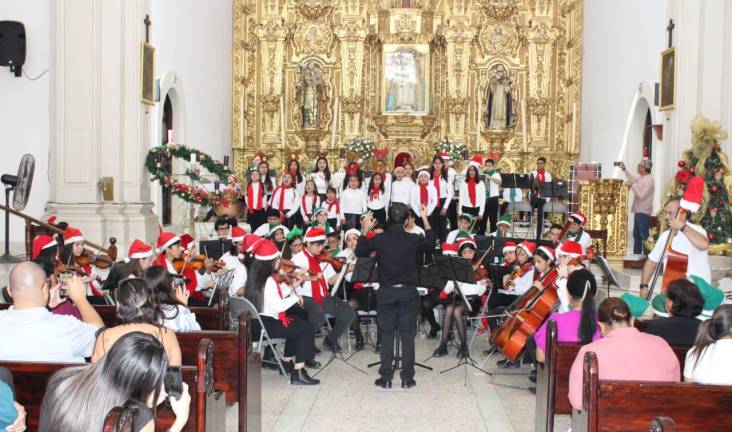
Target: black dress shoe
(532, 379)
(301, 377)
(433, 332)
(441, 351)
(508, 364)
(312, 364)
(409, 383)
(360, 344)
(383, 383)
(288, 365)
(532, 390)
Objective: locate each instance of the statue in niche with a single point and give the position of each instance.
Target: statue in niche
(499, 111)
(310, 94)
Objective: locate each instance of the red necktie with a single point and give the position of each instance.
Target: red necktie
(423, 195)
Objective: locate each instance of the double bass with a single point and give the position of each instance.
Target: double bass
(525, 315)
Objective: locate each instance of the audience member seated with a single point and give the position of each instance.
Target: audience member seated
(57, 304)
(683, 303)
(580, 323)
(139, 257)
(78, 399)
(12, 414)
(32, 333)
(172, 299)
(137, 311)
(624, 353)
(709, 360)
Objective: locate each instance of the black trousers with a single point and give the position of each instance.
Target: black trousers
(299, 337)
(353, 220)
(256, 218)
(439, 222)
(538, 204)
(452, 214)
(491, 210)
(342, 311)
(397, 310)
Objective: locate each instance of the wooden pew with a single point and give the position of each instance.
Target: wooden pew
(662, 424)
(31, 378)
(236, 370)
(630, 405)
(552, 378)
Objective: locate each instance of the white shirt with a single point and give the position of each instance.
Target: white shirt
(300, 260)
(468, 289)
(335, 211)
(255, 196)
(38, 335)
(378, 203)
(179, 318)
(698, 260)
(452, 236)
(713, 366)
(519, 194)
(584, 240)
(353, 201)
(447, 187)
(401, 191)
(307, 207)
(336, 181)
(522, 284)
(492, 186)
(320, 182)
(465, 197)
(291, 202)
(240, 272)
(272, 303)
(431, 199)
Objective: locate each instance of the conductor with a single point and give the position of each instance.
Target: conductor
(396, 252)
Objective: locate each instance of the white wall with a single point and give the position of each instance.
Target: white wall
(24, 106)
(622, 44)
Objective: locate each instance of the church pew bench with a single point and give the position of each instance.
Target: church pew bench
(552, 378)
(610, 405)
(31, 378)
(235, 370)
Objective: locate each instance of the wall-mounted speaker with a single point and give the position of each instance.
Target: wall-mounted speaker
(12, 46)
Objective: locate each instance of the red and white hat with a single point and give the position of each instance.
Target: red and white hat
(423, 173)
(52, 219)
(444, 155)
(314, 235)
(237, 234)
(139, 250)
(528, 247)
(549, 252)
(509, 246)
(449, 249)
(185, 240)
(266, 251)
(165, 239)
(692, 198)
(476, 161)
(352, 231)
(250, 241)
(466, 242)
(570, 248)
(72, 235)
(578, 217)
(41, 243)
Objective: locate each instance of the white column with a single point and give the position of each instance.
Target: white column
(99, 127)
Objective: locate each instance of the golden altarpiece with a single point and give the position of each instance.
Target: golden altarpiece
(496, 75)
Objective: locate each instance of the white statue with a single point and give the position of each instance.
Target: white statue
(498, 113)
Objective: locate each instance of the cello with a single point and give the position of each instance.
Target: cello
(676, 263)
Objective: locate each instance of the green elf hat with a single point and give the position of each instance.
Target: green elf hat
(295, 232)
(319, 210)
(637, 305)
(462, 235)
(467, 217)
(506, 219)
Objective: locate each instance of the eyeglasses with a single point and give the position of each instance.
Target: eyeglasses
(318, 243)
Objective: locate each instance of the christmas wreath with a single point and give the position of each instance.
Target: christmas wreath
(189, 192)
(363, 147)
(456, 151)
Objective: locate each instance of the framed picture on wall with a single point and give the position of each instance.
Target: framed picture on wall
(148, 74)
(668, 79)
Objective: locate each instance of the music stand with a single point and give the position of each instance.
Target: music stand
(214, 248)
(558, 190)
(607, 273)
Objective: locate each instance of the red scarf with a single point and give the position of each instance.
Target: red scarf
(282, 190)
(337, 206)
(437, 187)
(305, 207)
(282, 315)
(471, 191)
(424, 195)
(375, 192)
(541, 176)
(92, 283)
(250, 197)
(319, 287)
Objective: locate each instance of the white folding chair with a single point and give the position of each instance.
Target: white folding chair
(264, 339)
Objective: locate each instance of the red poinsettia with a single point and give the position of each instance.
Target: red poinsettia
(683, 176)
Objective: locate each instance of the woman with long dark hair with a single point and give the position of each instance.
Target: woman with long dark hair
(77, 399)
(321, 176)
(139, 257)
(684, 303)
(708, 361)
(268, 181)
(444, 185)
(72, 249)
(137, 311)
(293, 167)
(172, 298)
(256, 200)
(377, 199)
(472, 195)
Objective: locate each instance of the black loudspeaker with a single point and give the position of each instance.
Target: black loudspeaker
(12, 46)
(656, 93)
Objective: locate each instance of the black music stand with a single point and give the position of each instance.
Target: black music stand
(214, 248)
(516, 180)
(607, 273)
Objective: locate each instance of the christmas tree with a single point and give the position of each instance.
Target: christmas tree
(705, 159)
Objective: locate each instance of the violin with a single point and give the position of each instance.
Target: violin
(288, 267)
(327, 257)
(519, 271)
(96, 259)
(479, 269)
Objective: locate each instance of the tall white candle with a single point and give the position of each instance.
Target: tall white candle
(574, 125)
(171, 136)
(523, 125)
(334, 126)
(282, 120)
(241, 122)
(479, 110)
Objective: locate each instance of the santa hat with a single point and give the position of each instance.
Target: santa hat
(509, 246)
(570, 248)
(444, 156)
(52, 219)
(314, 235)
(692, 198)
(352, 231)
(266, 251)
(506, 219)
(72, 235)
(250, 241)
(476, 161)
(352, 168)
(423, 173)
(185, 240)
(237, 234)
(139, 250)
(528, 247)
(370, 235)
(549, 252)
(578, 217)
(165, 239)
(41, 243)
(468, 242)
(449, 249)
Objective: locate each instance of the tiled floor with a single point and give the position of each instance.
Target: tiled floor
(347, 400)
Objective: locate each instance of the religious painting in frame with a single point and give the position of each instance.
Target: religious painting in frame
(405, 85)
(668, 80)
(148, 74)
